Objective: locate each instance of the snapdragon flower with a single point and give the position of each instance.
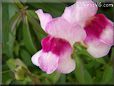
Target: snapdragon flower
(78, 23)
(62, 36)
(99, 29)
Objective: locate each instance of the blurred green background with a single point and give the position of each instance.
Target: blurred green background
(21, 37)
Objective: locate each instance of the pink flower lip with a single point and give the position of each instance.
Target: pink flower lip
(55, 55)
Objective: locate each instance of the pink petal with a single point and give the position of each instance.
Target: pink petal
(66, 64)
(98, 49)
(60, 28)
(44, 18)
(100, 35)
(80, 12)
(107, 35)
(35, 58)
(48, 62)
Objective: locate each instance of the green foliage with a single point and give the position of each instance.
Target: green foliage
(27, 39)
(92, 70)
(107, 75)
(22, 35)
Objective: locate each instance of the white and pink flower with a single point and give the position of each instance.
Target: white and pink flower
(99, 29)
(57, 47)
(78, 23)
(55, 55)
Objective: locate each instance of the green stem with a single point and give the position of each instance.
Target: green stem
(18, 3)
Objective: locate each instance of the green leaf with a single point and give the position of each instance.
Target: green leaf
(100, 60)
(18, 68)
(32, 14)
(62, 79)
(36, 26)
(14, 23)
(0, 24)
(6, 74)
(19, 4)
(81, 50)
(15, 63)
(12, 9)
(50, 78)
(20, 73)
(81, 73)
(26, 57)
(11, 64)
(108, 74)
(6, 77)
(9, 22)
(16, 49)
(55, 77)
(5, 25)
(112, 53)
(27, 39)
(18, 63)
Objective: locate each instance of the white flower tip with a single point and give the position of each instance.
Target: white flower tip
(39, 11)
(67, 66)
(98, 52)
(35, 57)
(34, 60)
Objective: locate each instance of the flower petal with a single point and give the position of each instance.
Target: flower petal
(66, 65)
(35, 58)
(107, 35)
(60, 28)
(58, 50)
(76, 12)
(63, 50)
(56, 45)
(98, 49)
(100, 28)
(44, 18)
(48, 62)
(100, 35)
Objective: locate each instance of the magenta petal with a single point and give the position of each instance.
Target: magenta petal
(100, 28)
(55, 45)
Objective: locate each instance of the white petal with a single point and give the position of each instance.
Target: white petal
(107, 35)
(98, 49)
(66, 66)
(35, 58)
